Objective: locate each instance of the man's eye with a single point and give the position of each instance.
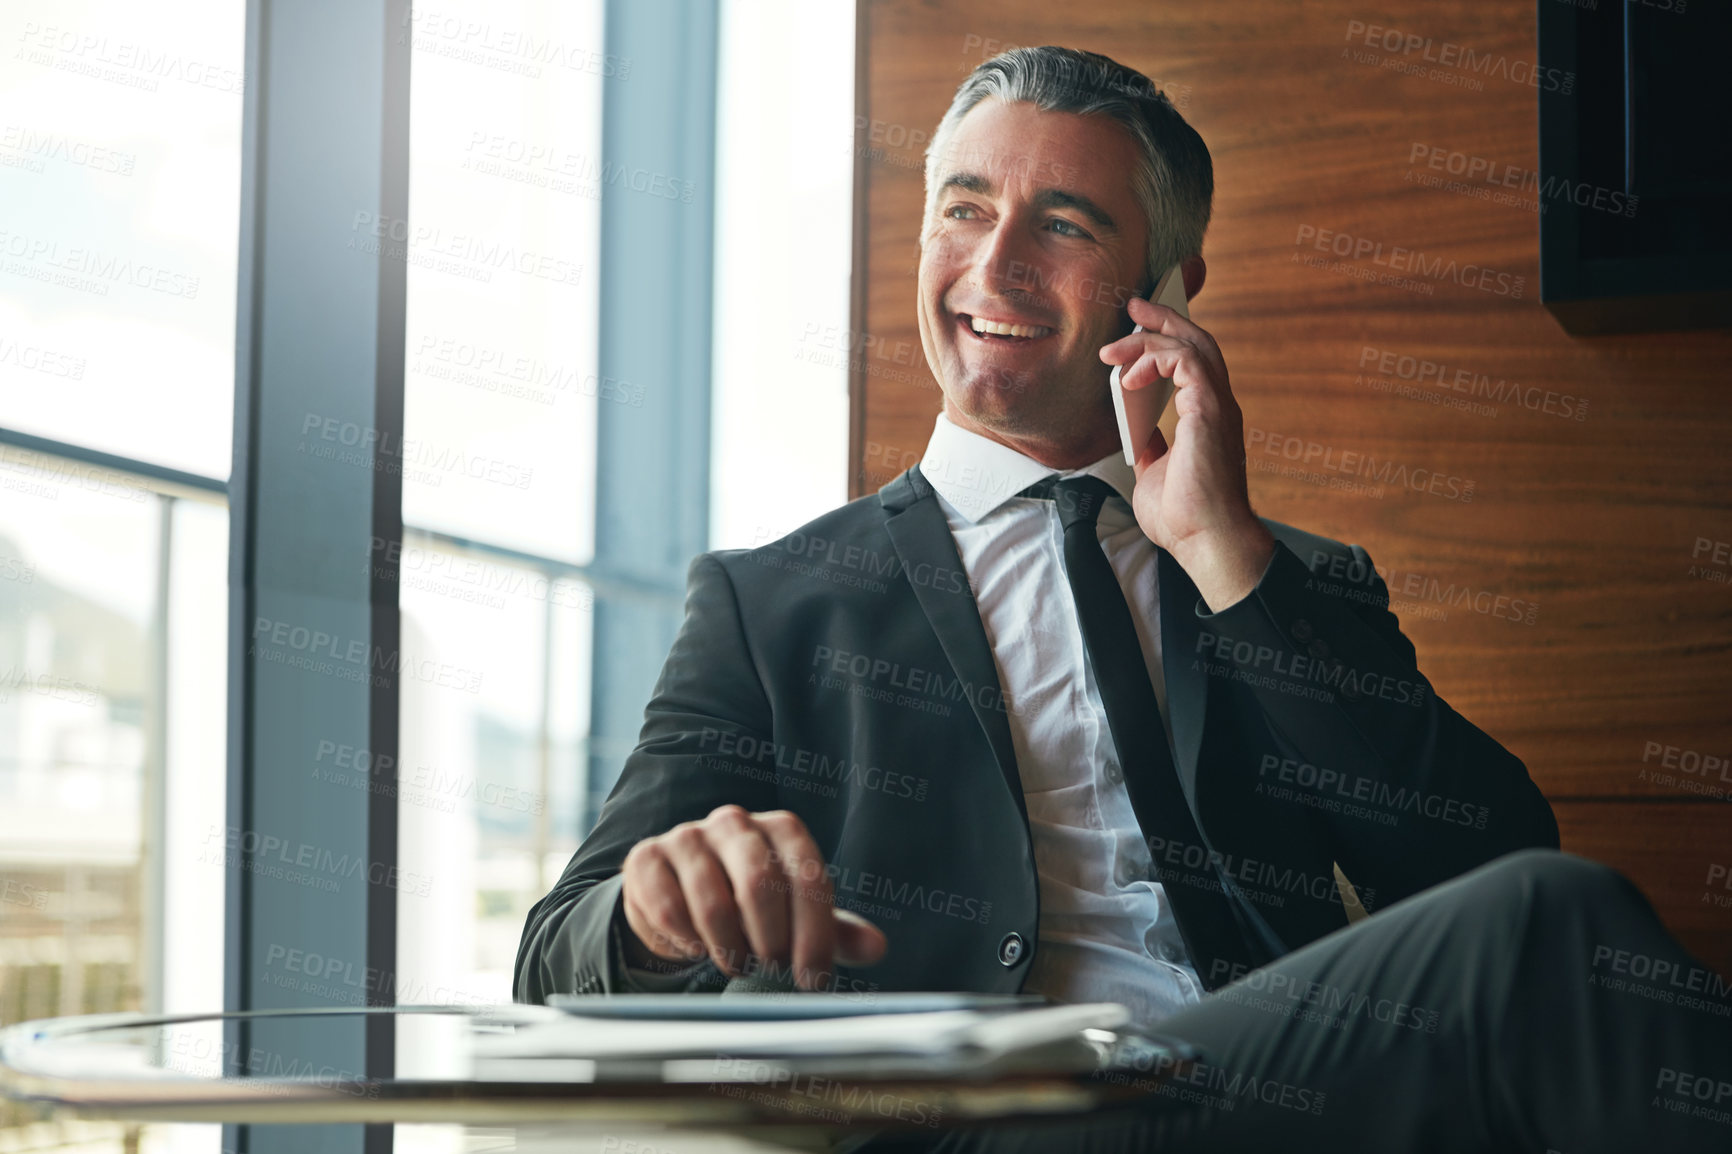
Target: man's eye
(1066, 228)
(958, 208)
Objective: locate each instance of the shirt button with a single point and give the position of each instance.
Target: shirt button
(1115, 774)
(1169, 951)
(1010, 949)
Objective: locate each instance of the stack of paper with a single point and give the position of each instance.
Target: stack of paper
(946, 1042)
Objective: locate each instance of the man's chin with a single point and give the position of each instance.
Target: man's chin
(1023, 410)
(997, 388)
(997, 404)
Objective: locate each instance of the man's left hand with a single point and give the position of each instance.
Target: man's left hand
(1191, 497)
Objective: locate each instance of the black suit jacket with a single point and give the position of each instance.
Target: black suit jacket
(843, 673)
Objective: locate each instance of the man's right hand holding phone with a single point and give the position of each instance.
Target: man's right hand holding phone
(746, 890)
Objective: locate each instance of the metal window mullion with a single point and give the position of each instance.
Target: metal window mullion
(652, 463)
(154, 818)
(319, 337)
(161, 475)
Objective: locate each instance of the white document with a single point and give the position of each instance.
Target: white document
(1139, 410)
(703, 1050)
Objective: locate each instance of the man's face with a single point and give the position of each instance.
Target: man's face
(1034, 225)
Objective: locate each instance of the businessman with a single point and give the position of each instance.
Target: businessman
(1031, 719)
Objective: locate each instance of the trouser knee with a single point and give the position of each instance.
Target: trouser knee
(1552, 878)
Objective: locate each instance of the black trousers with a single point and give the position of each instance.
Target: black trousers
(1535, 1004)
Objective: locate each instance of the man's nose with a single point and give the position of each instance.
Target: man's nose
(1006, 262)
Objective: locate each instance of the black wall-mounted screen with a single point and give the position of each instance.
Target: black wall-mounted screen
(1636, 164)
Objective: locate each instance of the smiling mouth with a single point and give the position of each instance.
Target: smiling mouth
(1000, 332)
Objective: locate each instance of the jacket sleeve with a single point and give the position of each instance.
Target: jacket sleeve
(707, 698)
(1339, 687)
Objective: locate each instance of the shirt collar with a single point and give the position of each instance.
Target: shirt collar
(977, 475)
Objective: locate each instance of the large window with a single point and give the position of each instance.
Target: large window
(119, 171)
(496, 788)
(506, 153)
(533, 558)
(784, 200)
(120, 127)
(112, 603)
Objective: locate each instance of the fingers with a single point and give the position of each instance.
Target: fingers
(739, 886)
(1124, 350)
(1179, 358)
(858, 941)
(708, 894)
(655, 906)
(811, 900)
(1162, 321)
(1197, 388)
(760, 890)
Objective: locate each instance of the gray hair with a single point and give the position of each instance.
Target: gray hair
(1173, 181)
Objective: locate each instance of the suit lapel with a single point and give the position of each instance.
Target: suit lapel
(1187, 685)
(921, 534)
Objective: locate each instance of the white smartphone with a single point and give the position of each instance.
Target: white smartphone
(1139, 411)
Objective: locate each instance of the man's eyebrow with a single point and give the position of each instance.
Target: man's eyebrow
(1045, 198)
(967, 182)
(1059, 198)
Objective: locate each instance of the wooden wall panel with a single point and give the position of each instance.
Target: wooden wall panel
(1594, 522)
(1675, 851)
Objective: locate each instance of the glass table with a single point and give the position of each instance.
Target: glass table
(309, 1066)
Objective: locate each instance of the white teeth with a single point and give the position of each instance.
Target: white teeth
(999, 329)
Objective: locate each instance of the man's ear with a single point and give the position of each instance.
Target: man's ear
(1195, 272)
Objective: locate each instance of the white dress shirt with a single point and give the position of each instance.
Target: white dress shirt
(1107, 932)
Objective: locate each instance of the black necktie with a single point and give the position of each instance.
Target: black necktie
(1191, 883)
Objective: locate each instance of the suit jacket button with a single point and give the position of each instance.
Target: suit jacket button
(1301, 629)
(1010, 949)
